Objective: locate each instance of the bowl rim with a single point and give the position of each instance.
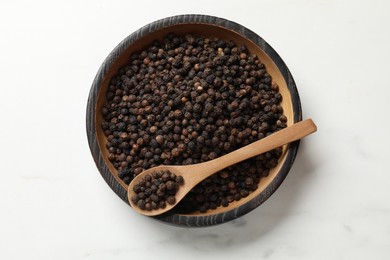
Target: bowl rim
(192, 220)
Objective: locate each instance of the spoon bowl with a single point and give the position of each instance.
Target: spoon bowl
(195, 173)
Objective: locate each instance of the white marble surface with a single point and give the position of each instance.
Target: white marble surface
(333, 205)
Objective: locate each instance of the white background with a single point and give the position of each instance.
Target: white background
(334, 203)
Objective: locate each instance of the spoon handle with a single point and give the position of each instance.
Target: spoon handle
(275, 140)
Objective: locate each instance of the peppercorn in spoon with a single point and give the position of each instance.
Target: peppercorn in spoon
(168, 184)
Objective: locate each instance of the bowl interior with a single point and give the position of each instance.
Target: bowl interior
(205, 30)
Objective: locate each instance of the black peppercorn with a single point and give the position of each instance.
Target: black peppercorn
(155, 190)
(186, 100)
(160, 139)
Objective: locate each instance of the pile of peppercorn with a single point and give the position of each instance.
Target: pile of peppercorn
(156, 189)
(189, 99)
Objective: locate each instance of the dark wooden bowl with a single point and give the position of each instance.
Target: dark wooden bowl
(207, 26)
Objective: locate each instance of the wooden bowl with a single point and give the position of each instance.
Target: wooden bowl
(207, 26)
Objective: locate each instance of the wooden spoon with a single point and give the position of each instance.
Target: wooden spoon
(195, 173)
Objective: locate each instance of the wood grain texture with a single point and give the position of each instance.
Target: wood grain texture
(206, 26)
